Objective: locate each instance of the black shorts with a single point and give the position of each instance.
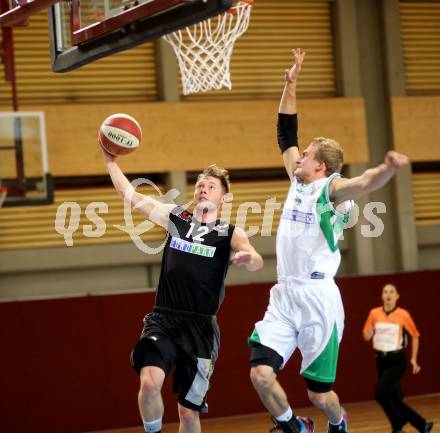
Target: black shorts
(186, 341)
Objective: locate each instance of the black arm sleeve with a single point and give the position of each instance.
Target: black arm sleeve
(287, 131)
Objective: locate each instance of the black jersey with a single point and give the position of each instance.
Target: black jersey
(194, 265)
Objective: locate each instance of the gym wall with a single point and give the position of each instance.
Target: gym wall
(66, 361)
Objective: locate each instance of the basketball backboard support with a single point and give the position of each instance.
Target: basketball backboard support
(87, 30)
(17, 12)
(24, 168)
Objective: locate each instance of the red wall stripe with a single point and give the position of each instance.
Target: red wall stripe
(65, 362)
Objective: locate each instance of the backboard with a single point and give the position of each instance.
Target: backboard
(24, 168)
(84, 31)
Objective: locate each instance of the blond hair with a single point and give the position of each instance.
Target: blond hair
(219, 173)
(330, 152)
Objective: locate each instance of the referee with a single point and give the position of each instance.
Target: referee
(389, 326)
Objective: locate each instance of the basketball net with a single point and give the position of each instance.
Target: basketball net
(204, 49)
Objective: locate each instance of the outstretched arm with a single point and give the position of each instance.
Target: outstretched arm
(154, 210)
(245, 253)
(287, 119)
(371, 180)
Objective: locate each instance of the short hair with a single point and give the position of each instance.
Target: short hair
(219, 173)
(330, 152)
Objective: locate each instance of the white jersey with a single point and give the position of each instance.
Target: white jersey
(308, 233)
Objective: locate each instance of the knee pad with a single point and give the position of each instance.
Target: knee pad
(318, 387)
(263, 355)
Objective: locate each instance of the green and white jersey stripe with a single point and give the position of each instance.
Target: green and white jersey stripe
(309, 230)
(331, 221)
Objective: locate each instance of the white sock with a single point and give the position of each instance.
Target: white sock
(285, 416)
(340, 421)
(153, 426)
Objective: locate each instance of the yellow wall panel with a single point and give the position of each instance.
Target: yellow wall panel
(416, 126)
(420, 30)
(34, 226)
(189, 136)
(426, 196)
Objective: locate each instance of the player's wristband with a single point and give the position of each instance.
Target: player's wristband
(287, 131)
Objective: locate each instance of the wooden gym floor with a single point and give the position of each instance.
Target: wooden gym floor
(364, 417)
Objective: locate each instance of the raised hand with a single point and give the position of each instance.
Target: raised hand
(395, 160)
(292, 74)
(107, 156)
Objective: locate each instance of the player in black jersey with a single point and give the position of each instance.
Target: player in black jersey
(182, 332)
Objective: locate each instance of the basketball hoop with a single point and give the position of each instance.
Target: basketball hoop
(204, 49)
(3, 194)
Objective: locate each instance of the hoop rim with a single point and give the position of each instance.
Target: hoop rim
(204, 56)
(241, 4)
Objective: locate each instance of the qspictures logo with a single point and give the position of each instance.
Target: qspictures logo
(67, 220)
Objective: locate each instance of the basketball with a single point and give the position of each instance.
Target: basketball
(120, 134)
